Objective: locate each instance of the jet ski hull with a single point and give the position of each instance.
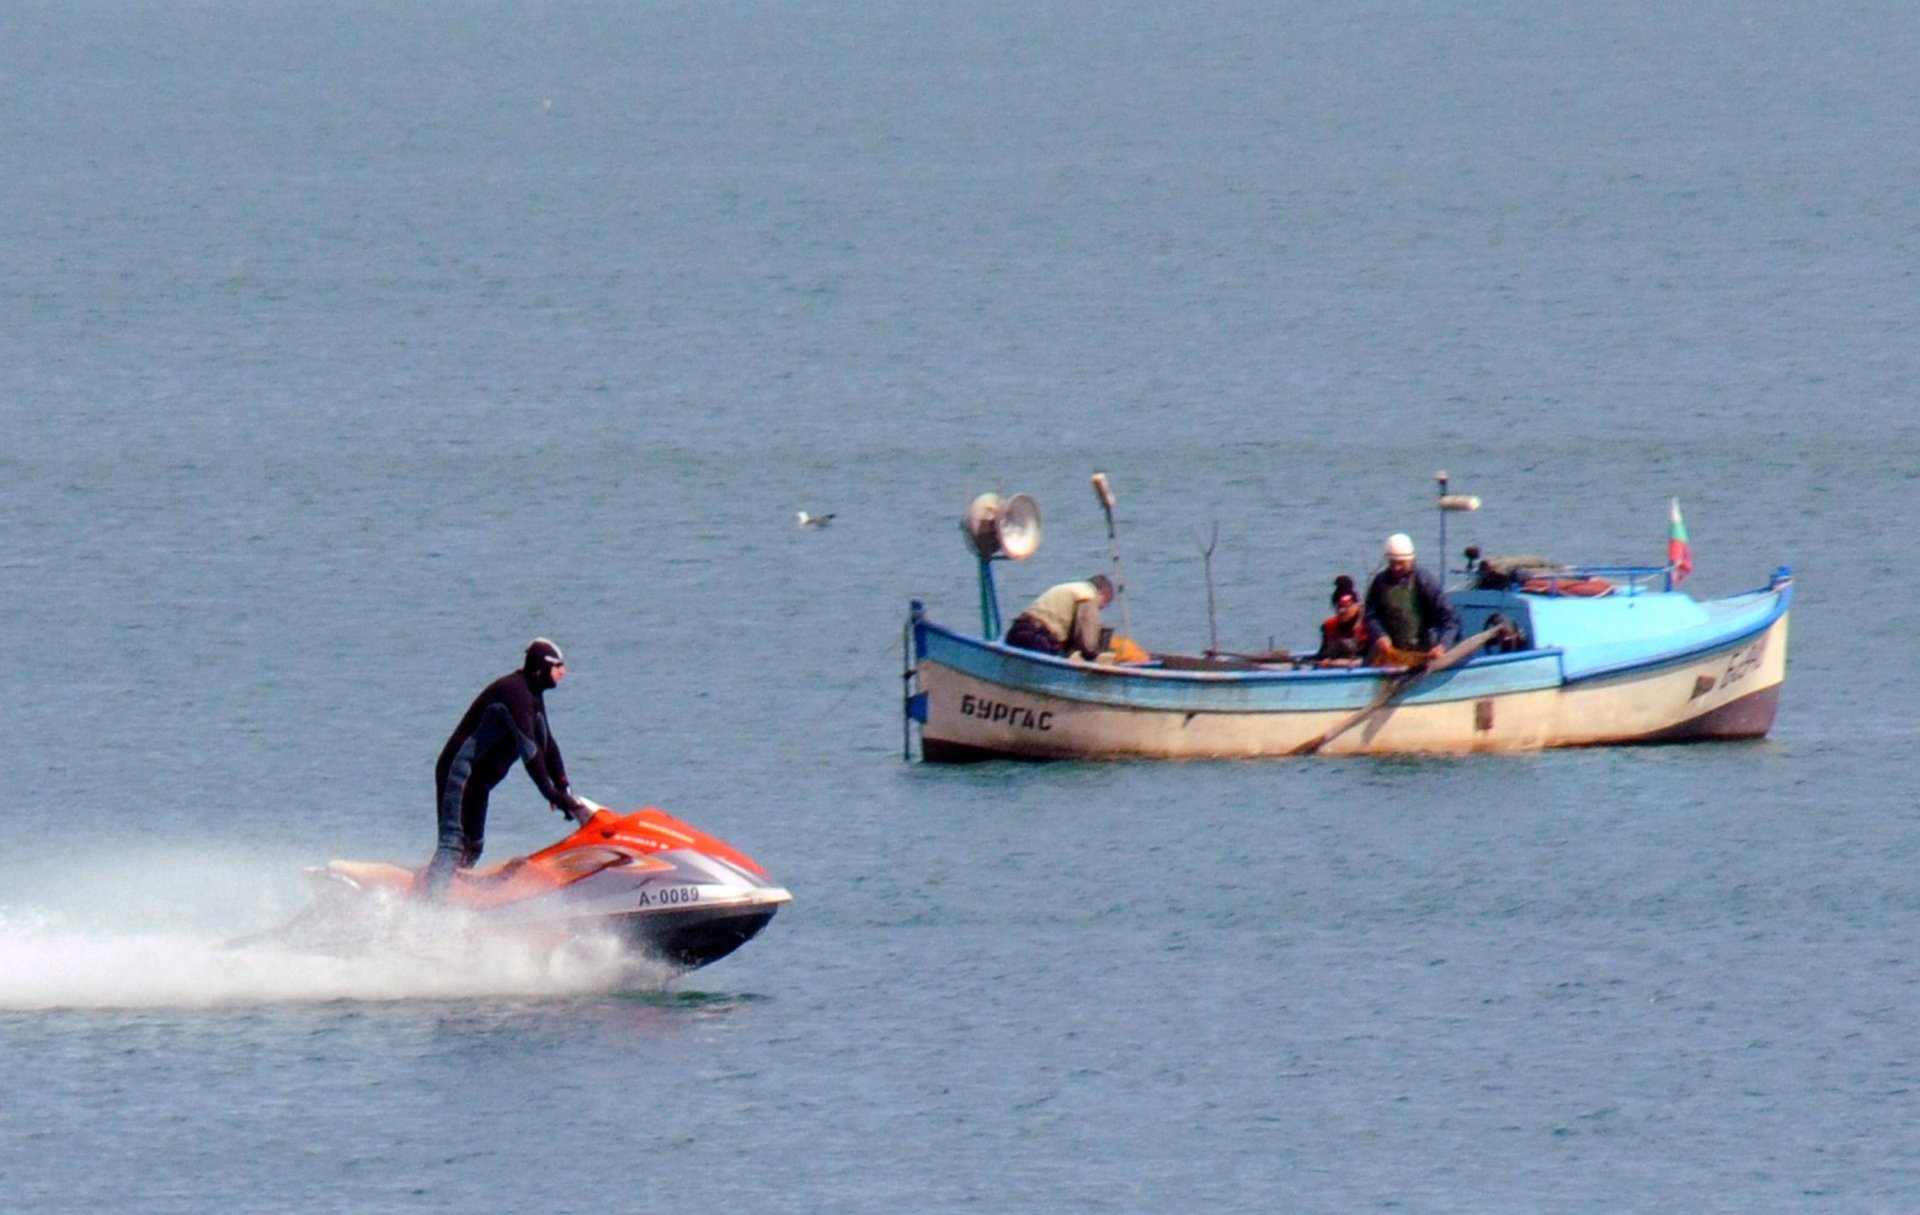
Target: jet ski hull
(691, 939)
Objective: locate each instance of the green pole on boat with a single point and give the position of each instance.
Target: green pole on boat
(989, 602)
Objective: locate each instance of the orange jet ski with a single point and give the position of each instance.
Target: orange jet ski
(664, 887)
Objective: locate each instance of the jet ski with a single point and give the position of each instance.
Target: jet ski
(665, 888)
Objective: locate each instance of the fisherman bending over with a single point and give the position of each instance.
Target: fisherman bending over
(1408, 615)
(506, 722)
(1064, 620)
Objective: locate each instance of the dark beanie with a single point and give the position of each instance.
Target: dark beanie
(542, 656)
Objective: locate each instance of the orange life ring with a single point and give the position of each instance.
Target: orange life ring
(1586, 588)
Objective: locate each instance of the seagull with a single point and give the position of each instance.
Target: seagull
(806, 520)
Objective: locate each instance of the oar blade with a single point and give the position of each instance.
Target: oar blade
(1395, 686)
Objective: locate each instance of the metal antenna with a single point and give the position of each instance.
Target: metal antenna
(1104, 492)
(1450, 502)
(1206, 559)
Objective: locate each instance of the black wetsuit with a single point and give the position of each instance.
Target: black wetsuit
(506, 722)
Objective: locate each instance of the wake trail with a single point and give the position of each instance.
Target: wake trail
(189, 935)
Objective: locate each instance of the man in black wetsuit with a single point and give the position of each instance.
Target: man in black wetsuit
(506, 722)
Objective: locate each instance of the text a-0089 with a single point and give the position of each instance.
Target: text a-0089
(670, 895)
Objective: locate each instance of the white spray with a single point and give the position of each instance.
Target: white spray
(185, 931)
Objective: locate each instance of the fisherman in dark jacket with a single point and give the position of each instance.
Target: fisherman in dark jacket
(506, 722)
(1408, 616)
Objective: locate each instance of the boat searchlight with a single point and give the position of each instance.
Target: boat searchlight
(997, 527)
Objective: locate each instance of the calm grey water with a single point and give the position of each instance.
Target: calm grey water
(348, 346)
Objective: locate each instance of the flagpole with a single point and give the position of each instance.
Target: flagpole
(1679, 546)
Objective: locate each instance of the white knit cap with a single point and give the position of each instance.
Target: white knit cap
(1399, 545)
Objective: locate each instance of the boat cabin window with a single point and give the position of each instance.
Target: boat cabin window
(1481, 610)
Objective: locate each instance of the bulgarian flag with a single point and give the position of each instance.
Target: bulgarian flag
(1679, 548)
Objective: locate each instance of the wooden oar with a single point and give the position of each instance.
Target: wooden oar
(1396, 686)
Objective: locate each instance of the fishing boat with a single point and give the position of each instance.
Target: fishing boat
(1554, 655)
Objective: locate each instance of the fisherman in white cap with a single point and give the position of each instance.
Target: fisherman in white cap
(1408, 615)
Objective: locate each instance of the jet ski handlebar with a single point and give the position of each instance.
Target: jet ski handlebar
(587, 809)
